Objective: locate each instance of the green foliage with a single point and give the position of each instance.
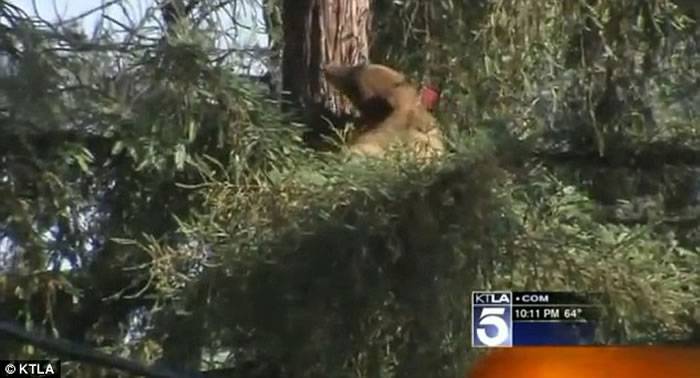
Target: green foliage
(590, 72)
(335, 265)
(567, 83)
(650, 281)
(100, 146)
(365, 267)
(185, 199)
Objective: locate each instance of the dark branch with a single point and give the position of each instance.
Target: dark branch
(71, 351)
(649, 156)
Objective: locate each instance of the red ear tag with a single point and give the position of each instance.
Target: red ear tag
(430, 96)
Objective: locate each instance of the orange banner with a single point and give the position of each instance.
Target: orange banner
(590, 362)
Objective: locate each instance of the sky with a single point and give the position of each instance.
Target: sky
(48, 9)
(65, 9)
(251, 35)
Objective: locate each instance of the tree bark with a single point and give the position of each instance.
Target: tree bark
(317, 32)
(272, 11)
(344, 39)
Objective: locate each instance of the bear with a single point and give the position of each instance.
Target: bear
(392, 111)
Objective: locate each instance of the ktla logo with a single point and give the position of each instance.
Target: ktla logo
(491, 319)
(34, 368)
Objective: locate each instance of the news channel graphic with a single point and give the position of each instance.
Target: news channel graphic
(629, 361)
(30, 368)
(533, 318)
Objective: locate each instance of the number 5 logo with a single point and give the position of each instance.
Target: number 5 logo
(493, 316)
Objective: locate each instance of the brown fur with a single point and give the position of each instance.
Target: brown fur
(390, 109)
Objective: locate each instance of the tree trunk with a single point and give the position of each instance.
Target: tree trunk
(272, 11)
(317, 32)
(344, 35)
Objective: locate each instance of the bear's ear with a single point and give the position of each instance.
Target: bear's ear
(345, 79)
(338, 73)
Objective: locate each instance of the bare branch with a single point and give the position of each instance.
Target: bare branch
(102, 7)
